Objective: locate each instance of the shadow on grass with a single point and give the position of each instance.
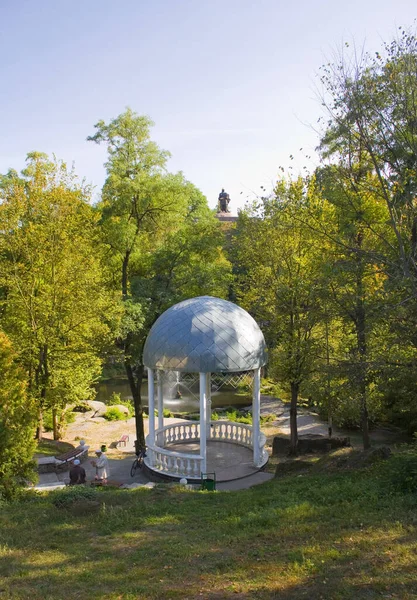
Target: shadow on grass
(337, 536)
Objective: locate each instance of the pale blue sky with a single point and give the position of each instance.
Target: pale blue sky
(229, 83)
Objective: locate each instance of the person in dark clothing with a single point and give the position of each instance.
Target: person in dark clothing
(77, 473)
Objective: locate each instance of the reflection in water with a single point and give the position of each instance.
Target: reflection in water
(187, 403)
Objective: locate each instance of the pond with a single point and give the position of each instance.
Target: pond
(189, 401)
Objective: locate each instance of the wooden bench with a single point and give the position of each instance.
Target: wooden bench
(78, 452)
(60, 463)
(123, 440)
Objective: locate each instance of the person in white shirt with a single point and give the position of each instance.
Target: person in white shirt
(102, 466)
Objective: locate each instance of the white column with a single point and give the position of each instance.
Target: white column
(160, 378)
(151, 407)
(203, 419)
(256, 414)
(208, 407)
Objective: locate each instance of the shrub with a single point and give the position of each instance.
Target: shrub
(239, 416)
(68, 496)
(114, 414)
(116, 399)
(17, 423)
(399, 473)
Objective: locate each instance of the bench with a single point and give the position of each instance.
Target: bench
(123, 440)
(63, 460)
(57, 464)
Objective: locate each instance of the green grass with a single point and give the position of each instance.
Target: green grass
(52, 448)
(337, 535)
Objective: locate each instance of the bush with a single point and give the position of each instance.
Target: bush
(68, 496)
(17, 423)
(114, 414)
(238, 416)
(64, 417)
(116, 399)
(399, 473)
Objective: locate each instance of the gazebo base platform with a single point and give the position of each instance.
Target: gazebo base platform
(229, 461)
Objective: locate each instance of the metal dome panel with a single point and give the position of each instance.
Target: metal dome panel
(203, 335)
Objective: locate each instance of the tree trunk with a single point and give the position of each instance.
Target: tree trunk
(293, 418)
(362, 348)
(125, 266)
(55, 424)
(39, 428)
(135, 387)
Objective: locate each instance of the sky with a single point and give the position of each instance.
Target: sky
(231, 85)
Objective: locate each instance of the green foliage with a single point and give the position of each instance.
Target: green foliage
(64, 417)
(114, 414)
(17, 423)
(55, 306)
(239, 416)
(269, 387)
(72, 494)
(399, 474)
(116, 399)
(164, 243)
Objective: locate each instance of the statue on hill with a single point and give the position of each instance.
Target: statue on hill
(224, 200)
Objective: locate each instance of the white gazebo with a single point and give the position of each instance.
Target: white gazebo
(202, 335)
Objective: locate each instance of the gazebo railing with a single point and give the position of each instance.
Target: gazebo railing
(176, 464)
(180, 464)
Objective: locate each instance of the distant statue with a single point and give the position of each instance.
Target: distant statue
(224, 200)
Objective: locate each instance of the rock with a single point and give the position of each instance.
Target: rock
(309, 443)
(99, 408)
(280, 445)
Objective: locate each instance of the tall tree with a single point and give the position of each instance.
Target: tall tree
(17, 422)
(54, 305)
(372, 128)
(355, 224)
(280, 283)
(150, 220)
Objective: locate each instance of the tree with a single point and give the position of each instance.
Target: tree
(54, 305)
(280, 283)
(370, 138)
(355, 225)
(17, 422)
(156, 225)
(372, 128)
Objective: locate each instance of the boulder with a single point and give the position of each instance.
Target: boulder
(98, 408)
(309, 443)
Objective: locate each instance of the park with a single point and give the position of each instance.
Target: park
(205, 397)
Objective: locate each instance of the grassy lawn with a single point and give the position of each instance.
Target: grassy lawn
(52, 448)
(336, 535)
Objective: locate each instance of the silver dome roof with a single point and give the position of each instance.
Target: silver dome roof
(205, 335)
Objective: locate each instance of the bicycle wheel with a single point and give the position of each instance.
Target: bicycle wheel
(134, 467)
(140, 461)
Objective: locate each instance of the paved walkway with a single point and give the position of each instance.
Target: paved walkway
(231, 463)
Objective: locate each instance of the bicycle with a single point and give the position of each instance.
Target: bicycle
(138, 462)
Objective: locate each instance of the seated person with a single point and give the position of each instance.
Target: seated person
(77, 473)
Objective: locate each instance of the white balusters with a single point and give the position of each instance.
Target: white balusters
(190, 465)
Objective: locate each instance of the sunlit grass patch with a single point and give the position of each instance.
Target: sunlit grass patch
(334, 535)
